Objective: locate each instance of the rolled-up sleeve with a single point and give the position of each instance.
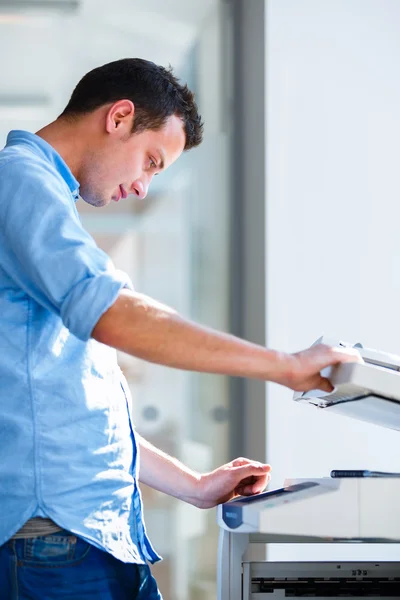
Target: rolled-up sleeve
(47, 253)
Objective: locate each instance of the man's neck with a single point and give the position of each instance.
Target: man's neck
(68, 140)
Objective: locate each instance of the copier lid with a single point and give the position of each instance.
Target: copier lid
(368, 391)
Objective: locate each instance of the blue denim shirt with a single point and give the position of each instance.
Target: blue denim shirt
(67, 440)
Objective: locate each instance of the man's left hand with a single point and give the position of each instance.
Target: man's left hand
(240, 477)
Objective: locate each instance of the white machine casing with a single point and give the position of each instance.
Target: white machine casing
(326, 510)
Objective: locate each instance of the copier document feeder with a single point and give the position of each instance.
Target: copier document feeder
(368, 391)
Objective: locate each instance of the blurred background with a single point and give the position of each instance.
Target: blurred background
(281, 227)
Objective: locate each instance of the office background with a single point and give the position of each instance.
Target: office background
(282, 226)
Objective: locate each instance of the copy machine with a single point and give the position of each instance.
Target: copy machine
(325, 510)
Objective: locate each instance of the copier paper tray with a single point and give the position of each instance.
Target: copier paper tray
(368, 391)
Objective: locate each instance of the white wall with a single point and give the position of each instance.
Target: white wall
(333, 216)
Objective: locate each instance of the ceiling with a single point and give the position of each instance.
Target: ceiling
(48, 45)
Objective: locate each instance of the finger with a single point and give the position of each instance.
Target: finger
(260, 480)
(347, 354)
(240, 461)
(253, 488)
(324, 385)
(242, 471)
(249, 480)
(254, 478)
(250, 490)
(316, 383)
(331, 355)
(247, 461)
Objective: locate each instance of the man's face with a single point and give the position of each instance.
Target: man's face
(125, 163)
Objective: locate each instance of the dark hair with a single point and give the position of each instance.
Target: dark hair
(154, 90)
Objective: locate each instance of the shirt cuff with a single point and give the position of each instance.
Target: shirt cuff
(89, 300)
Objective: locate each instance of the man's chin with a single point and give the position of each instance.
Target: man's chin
(95, 201)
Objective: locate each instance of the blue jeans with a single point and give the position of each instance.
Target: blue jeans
(62, 566)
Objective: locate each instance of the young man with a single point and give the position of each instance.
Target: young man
(71, 520)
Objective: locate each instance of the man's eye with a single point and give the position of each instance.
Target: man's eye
(153, 164)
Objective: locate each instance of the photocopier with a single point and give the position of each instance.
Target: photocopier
(340, 509)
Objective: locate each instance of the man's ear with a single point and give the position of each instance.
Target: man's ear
(120, 116)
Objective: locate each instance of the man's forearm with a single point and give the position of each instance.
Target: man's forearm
(149, 330)
(167, 474)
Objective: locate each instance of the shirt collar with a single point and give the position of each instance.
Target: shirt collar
(44, 149)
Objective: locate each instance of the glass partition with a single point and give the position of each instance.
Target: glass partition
(174, 245)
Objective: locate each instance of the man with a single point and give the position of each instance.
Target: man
(71, 520)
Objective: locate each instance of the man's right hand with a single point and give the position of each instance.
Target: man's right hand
(304, 368)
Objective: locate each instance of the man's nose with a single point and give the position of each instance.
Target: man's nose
(140, 189)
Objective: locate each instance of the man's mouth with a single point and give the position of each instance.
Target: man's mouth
(121, 194)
